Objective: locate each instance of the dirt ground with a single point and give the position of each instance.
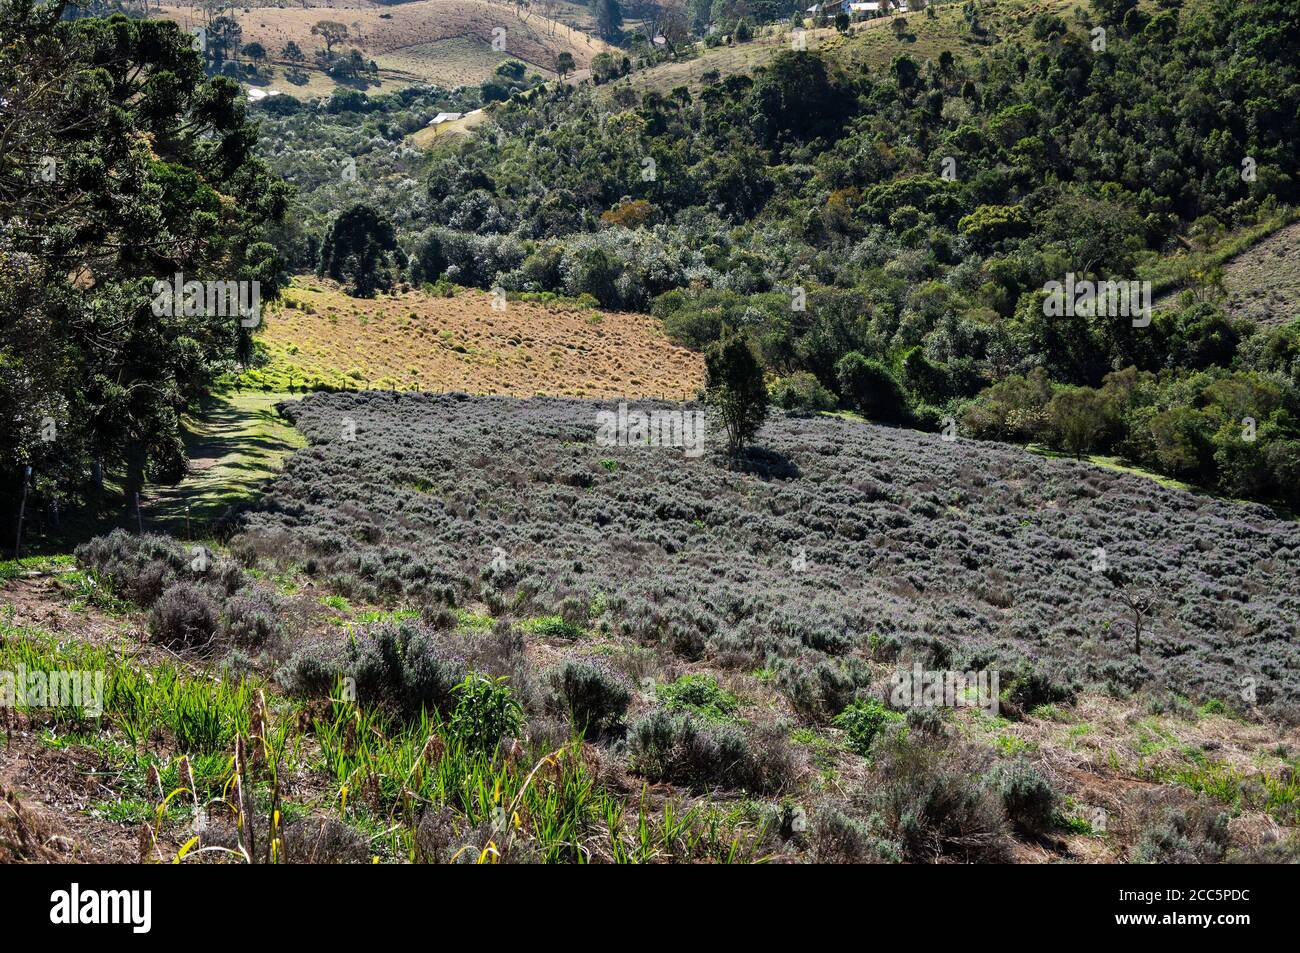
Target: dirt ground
(46, 793)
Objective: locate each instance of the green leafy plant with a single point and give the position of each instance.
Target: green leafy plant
(862, 722)
(699, 693)
(485, 711)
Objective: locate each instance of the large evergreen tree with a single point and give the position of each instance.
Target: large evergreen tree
(734, 385)
(609, 19)
(358, 250)
(121, 165)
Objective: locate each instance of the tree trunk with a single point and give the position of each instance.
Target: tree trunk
(135, 462)
(22, 508)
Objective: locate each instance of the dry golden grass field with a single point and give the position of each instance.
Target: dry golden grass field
(869, 46)
(431, 136)
(320, 336)
(1263, 284)
(1260, 264)
(446, 42)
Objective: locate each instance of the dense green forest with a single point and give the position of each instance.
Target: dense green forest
(122, 163)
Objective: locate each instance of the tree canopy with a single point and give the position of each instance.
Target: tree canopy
(122, 165)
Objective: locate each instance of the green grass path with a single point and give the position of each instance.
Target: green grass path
(235, 444)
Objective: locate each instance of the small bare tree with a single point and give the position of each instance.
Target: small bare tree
(1137, 601)
(549, 9)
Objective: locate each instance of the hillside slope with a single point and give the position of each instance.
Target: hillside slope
(446, 42)
(1263, 283)
(416, 340)
(958, 554)
(869, 46)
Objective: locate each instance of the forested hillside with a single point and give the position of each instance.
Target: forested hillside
(911, 218)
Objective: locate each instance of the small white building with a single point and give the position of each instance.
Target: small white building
(439, 119)
(833, 8)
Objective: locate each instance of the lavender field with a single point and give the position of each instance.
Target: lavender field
(837, 541)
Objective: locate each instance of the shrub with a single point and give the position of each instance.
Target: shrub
(818, 691)
(1027, 686)
(1171, 703)
(511, 69)
(989, 224)
(251, 619)
(933, 801)
(497, 651)
(699, 693)
(312, 673)
(407, 667)
(225, 575)
(840, 838)
(185, 615)
(870, 388)
(553, 627)
(686, 641)
(927, 380)
(929, 520)
(801, 391)
(686, 322)
(138, 568)
(925, 721)
(402, 666)
(1196, 834)
(323, 840)
(862, 721)
(594, 696)
(1276, 848)
(1029, 800)
(684, 750)
(237, 666)
(1283, 459)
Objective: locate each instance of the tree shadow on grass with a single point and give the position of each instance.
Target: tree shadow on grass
(226, 469)
(234, 447)
(767, 464)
